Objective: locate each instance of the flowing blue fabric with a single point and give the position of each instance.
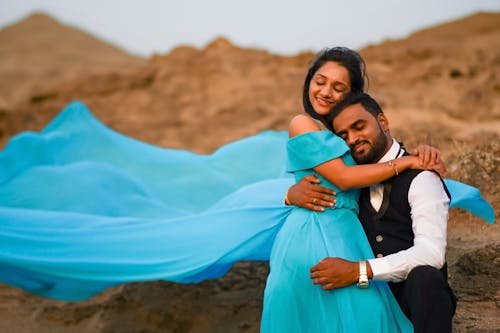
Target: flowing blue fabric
(84, 208)
(469, 198)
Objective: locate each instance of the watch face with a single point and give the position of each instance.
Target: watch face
(363, 284)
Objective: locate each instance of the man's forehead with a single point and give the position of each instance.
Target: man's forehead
(349, 116)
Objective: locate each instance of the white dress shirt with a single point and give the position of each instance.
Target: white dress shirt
(429, 205)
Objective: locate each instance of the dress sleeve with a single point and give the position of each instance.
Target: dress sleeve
(310, 149)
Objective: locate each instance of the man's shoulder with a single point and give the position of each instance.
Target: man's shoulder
(412, 174)
(428, 175)
(405, 178)
(428, 185)
(418, 181)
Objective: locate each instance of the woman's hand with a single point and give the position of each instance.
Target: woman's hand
(430, 159)
(427, 154)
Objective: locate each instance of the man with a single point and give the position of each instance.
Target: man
(405, 221)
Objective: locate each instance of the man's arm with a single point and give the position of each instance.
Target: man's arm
(337, 273)
(429, 211)
(308, 194)
(429, 205)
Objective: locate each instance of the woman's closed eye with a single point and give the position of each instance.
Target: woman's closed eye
(320, 82)
(341, 88)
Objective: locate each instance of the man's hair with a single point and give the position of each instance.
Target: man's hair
(368, 103)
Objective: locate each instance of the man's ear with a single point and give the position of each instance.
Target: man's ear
(383, 121)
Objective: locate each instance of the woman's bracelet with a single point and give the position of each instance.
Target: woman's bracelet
(392, 164)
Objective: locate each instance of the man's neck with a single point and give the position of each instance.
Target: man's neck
(391, 152)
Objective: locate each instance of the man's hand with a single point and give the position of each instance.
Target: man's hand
(334, 273)
(307, 194)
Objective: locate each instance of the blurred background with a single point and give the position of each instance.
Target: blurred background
(283, 27)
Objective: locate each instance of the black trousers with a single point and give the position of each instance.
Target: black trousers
(426, 299)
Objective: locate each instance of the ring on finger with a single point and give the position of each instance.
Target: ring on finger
(314, 201)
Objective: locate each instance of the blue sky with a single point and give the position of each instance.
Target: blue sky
(285, 27)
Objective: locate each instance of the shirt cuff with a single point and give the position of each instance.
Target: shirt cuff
(380, 269)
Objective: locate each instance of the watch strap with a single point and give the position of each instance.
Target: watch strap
(363, 275)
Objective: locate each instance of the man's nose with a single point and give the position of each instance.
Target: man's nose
(352, 139)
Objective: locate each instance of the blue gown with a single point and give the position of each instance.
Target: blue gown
(291, 302)
(84, 208)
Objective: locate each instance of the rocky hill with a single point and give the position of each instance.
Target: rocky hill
(39, 52)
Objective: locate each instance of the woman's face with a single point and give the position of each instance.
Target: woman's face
(328, 86)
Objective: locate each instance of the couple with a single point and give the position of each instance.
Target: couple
(403, 214)
(126, 211)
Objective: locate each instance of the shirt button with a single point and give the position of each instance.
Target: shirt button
(380, 255)
(379, 238)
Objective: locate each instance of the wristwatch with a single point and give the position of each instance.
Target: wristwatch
(363, 276)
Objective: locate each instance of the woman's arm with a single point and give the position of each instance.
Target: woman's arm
(357, 176)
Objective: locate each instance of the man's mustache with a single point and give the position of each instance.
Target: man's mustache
(357, 143)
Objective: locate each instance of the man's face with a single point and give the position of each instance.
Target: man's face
(363, 133)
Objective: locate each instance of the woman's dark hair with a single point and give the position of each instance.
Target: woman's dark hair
(344, 56)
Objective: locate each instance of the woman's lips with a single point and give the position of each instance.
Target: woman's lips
(323, 102)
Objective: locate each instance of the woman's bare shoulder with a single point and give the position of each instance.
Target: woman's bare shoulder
(302, 124)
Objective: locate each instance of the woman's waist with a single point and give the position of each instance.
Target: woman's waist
(343, 201)
(303, 215)
(346, 200)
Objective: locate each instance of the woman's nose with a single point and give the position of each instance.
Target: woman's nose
(326, 91)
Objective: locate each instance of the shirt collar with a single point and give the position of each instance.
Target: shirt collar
(392, 153)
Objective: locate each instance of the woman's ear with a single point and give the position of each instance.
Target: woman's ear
(383, 121)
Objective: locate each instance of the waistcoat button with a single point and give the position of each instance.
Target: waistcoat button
(379, 238)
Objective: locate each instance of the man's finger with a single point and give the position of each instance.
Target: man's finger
(312, 179)
(314, 270)
(322, 189)
(318, 281)
(313, 207)
(325, 203)
(328, 286)
(315, 273)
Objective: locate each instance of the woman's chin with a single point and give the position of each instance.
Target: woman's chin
(323, 111)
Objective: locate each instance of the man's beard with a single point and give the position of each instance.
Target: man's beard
(375, 153)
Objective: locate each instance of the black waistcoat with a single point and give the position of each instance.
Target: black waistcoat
(390, 229)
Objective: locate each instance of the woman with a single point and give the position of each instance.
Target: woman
(291, 302)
